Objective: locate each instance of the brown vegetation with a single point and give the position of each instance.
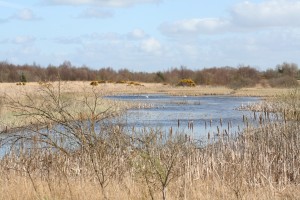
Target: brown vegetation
(186, 82)
(66, 157)
(284, 75)
(94, 83)
(21, 83)
(71, 91)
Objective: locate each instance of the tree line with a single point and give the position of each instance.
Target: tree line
(282, 75)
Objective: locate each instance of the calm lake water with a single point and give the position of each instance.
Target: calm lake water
(205, 113)
(195, 116)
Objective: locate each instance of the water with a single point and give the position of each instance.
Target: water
(194, 115)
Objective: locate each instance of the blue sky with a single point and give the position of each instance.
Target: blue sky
(150, 35)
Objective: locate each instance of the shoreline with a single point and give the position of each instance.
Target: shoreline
(142, 88)
(81, 89)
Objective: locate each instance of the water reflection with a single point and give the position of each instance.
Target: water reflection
(192, 115)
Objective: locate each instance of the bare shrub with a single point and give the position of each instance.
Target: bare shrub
(245, 76)
(288, 69)
(241, 82)
(284, 81)
(160, 159)
(82, 137)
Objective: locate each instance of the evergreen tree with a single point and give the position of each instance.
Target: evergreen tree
(23, 78)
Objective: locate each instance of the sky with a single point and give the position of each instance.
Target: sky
(150, 35)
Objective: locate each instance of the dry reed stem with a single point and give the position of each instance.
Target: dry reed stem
(19, 188)
(260, 162)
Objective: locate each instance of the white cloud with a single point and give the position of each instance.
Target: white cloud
(96, 13)
(106, 3)
(136, 34)
(25, 15)
(23, 40)
(151, 45)
(267, 13)
(196, 26)
(22, 14)
(117, 50)
(244, 16)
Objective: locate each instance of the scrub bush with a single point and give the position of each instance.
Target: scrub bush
(186, 82)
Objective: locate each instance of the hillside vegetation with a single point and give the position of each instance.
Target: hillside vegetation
(283, 75)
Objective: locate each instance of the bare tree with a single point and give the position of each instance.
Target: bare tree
(160, 159)
(84, 137)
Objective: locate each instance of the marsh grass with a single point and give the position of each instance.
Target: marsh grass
(17, 108)
(252, 166)
(1, 104)
(92, 158)
(78, 87)
(287, 105)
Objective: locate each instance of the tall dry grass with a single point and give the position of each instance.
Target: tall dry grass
(75, 97)
(93, 158)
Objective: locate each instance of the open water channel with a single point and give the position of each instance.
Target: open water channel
(195, 115)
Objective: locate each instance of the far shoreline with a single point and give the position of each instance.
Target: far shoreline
(77, 87)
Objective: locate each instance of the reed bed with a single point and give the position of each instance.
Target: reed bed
(16, 107)
(113, 88)
(95, 158)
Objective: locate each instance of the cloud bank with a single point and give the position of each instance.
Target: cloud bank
(260, 34)
(271, 13)
(24, 15)
(196, 26)
(242, 16)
